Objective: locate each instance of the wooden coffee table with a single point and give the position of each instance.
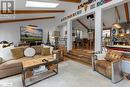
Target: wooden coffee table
(28, 76)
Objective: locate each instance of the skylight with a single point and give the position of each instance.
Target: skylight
(41, 4)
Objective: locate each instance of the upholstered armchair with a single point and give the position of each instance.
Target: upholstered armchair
(109, 65)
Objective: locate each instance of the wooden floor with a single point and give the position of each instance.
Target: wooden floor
(81, 55)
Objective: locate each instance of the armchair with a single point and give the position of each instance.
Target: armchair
(109, 65)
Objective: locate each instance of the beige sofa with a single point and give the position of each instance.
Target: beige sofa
(14, 66)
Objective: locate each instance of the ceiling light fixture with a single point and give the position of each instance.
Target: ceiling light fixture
(41, 4)
(117, 24)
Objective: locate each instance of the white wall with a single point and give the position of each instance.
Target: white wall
(62, 29)
(85, 34)
(11, 31)
(69, 36)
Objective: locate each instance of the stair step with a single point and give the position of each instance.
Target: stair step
(81, 55)
(83, 59)
(71, 56)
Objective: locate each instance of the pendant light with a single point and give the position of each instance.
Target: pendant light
(117, 24)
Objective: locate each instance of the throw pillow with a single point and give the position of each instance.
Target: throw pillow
(45, 51)
(29, 52)
(18, 52)
(51, 48)
(6, 54)
(116, 56)
(38, 49)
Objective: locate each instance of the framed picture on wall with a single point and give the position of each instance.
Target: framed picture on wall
(29, 34)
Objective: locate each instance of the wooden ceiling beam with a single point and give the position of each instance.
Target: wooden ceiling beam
(82, 24)
(106, 28)
(126, 12)
(27, 19)
(117, 13)
(75, 1)
(37, 11)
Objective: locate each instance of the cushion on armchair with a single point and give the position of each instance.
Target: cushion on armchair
(113, 55)
(103, 63)
(108, 55)
(117, 56)
(104, 67)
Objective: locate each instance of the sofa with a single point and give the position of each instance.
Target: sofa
(11, 58)
(109, 65)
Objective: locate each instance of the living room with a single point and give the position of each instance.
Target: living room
(37, 47)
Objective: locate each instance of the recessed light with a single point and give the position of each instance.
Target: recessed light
(41, 4)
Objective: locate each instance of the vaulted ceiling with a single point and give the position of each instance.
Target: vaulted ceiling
(23, 12)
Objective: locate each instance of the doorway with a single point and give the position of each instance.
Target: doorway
(83, 33)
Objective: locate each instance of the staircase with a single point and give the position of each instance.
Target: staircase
(80, 55)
